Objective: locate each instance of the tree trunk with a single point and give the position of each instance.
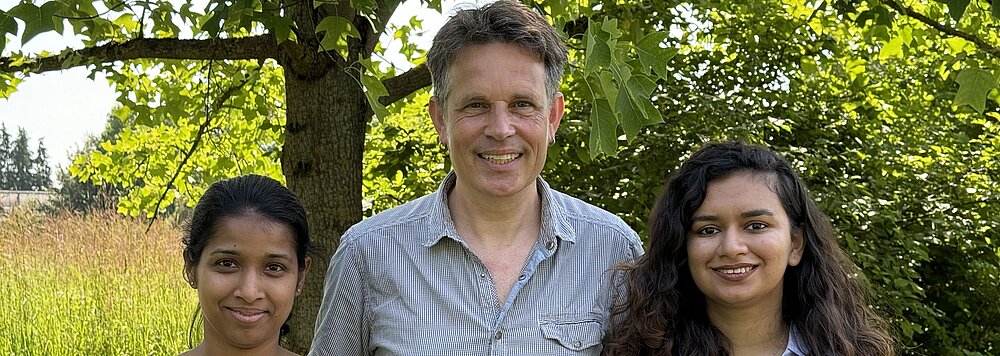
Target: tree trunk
(322, 162)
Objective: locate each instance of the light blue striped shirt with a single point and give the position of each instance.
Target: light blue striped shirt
(403, 282)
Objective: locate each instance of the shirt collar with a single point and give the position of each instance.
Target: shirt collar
(794, 348)
(555, 222)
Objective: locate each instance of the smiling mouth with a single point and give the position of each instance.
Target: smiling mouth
(740, 270)
(248, 316)
(500, 159)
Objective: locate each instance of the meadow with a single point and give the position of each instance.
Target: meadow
(92, 285)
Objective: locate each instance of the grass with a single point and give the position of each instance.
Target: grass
(94, 285)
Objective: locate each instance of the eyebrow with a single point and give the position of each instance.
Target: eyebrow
(747, 214)
(757, 212)
(236, 253)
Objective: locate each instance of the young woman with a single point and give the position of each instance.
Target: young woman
(245, 253)
(743, 262)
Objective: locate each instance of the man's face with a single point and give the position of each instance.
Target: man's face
(497, 121)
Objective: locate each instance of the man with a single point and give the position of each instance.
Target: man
(495, 262)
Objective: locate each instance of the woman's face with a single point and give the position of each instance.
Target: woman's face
(741, 242)
(247, 280)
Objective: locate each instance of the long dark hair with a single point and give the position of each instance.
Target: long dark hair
(826, 299)
(242, 196)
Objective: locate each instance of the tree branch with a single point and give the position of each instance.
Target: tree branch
(256, 47)
(194, 144)
(405, 84)
(909, 11)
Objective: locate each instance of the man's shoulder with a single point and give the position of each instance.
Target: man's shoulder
(580, 212)
(415, 212)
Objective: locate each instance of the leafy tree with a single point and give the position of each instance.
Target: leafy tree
(255, 81)
(20, 168)
(84, 196)
(906, 169)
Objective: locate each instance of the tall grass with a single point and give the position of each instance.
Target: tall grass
(94, 285)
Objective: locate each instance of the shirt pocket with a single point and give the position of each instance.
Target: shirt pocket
(573, 333)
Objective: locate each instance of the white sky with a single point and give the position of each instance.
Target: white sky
(63, 108)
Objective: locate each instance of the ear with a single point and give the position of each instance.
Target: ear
(189, 271)
(302, 276)
(798, 247)
(555, 116)
(436, 109)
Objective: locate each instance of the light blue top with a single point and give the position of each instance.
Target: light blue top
(793, 348)
(403, 282)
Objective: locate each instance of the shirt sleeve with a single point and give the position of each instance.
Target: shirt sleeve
(343, 326)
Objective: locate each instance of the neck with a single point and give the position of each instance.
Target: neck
(752, 331)
(210, 348)
(495, 220)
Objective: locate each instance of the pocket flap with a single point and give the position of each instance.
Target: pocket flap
(574, 335)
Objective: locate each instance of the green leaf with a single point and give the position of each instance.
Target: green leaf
(337, 30)
(892, 49)
(7, 25)
(603, 129)
(598, 49)
(973, 85)
(652, 55)
(957, 8)
(373, 91)
(36, 20)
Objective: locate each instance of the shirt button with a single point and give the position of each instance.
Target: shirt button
(520, 278)
(482, 275)
(577, 344)
(550, 245)
(498, 335)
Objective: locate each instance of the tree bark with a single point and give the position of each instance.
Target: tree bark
(322, 162)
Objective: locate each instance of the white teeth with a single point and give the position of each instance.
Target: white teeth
(735, 270)
(500, 159)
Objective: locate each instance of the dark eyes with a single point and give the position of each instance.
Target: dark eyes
(227, 265)
(756, 226)
(709, 230)
(712, 230)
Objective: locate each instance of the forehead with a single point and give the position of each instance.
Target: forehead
(743, 189)
(252, 234)
(496, 66)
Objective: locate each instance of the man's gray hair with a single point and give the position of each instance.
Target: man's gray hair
(504, 21)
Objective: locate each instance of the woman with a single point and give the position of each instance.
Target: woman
(743, 262)
(245, 253)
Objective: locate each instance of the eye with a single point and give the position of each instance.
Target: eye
(523, 104)
(756, 226)
(275, 268)
(226, 265)
(708, 231)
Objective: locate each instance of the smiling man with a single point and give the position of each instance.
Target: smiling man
(495, 262)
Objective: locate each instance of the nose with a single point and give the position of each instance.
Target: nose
(732, 243)
(250, 288)
(500, 125)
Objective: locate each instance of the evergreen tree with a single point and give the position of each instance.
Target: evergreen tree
(20, 168)
(5, 179)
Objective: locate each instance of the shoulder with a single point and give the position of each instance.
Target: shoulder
(411, 217)
(583, 215)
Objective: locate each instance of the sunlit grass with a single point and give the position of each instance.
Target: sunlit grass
(95, 285)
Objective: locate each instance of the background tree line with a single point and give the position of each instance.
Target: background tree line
(22, 168)
(889, 111)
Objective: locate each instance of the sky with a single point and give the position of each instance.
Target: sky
(63, 108)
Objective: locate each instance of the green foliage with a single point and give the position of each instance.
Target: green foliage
(909, 179)
(20, 168)
(403, 159)
(85, 196)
